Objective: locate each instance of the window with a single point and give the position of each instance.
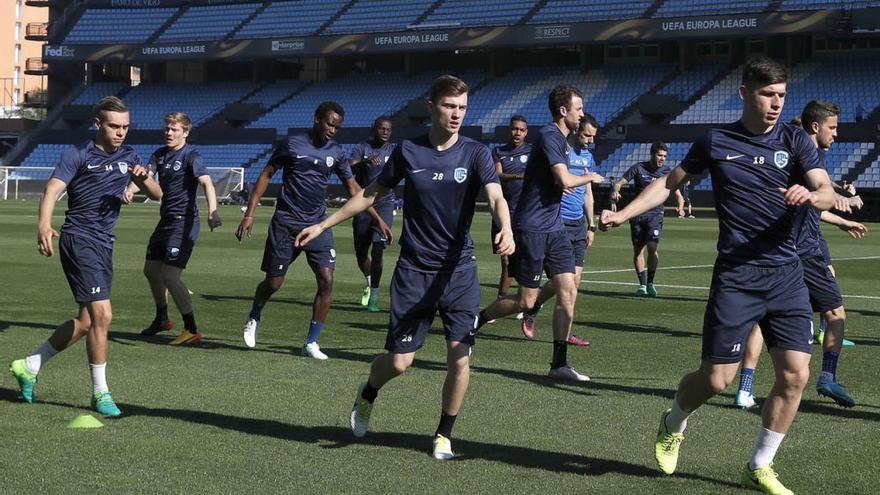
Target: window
(17, 31)
(16, 75)
(17, 53)
(18, 9)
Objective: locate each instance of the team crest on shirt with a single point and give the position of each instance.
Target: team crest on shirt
(523, 158)
(386, 158)
(329, 161)
(123, 167)
(780, 158)
(460, 175)
(177, 165)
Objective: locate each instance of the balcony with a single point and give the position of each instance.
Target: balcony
(35, 66)
(38, 3)
(37, 98)
(37, 31)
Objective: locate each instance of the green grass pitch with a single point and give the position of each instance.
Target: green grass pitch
(220, 418)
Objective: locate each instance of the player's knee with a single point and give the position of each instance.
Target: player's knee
(835, 315)
(527, 300)
(102, 319)
(273, 284)
(325, 282)
(400, 364)
(794, 380)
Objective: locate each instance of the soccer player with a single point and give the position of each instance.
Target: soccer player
(577, 216)
(367, 161)
(181, 170)
(646, 229)
(510, 165)
(684, 209)
(95, 175)
(540, 236)
(758, 276)
(307, 160)
(437, 271)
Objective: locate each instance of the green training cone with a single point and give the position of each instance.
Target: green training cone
(85, 421)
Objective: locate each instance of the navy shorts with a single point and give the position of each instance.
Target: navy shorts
(576, 230)
(537, 252)
(88, 266)
(366, 232)
(823, 248)
(742, 295)
(280, 253)
(416, 296)
(823, 288)
(645, 229)
(173, 240)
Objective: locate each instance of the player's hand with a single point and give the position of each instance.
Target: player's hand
(796, 195)
(590, 236)
(850, 188)
(386, 232)
(214, 220)
(504, 244)
(44, 240)
(856, 202)
(307, 235)
(139, 173)
(680, 212)
(244, 228)
(615, 195)
(373, 159)
(609, 220)
(127, 196)
(842, 204)
(854, 229)
(596, 178)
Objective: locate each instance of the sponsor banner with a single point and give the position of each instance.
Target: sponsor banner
(629, 31)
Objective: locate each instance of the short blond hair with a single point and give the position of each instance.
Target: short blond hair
(179, 118)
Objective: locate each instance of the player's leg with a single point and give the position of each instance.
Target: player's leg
(177, 256)
(636, 236)
(652, 240)
(526, 264)
(560, 267)
(577, 236)
(321, 256)
(377, 265)
(156, 251)
(360, 227)
(101, 315)
(278, 255)
(572, 338)
(745, 397)
(505, 281)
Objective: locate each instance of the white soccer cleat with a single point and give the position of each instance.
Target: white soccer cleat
(360, 413)
(567, 373)
(519, 316)
(250, 332)
(313, 351)
(745, 400)
(442, 448)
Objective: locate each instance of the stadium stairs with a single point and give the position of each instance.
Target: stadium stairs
(699, 94)
(427, 13)
(628, 114)
(244, 22)
(168, 23)
(339, 13)
(531, 13)
(863, 165)
(650, 11)
(60, 27)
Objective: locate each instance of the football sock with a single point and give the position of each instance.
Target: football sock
(256, 311)
(829, 364)
(369, 393)
(189, 322)
(368, 280)
(560, 353)
(99, 377)
(745, 379)
(643, 277)
(677, 419)
(162, 313)
(374, 294)
(651, 276)
(447, 421)
(314, 331)
(765, 449)
(43, 353)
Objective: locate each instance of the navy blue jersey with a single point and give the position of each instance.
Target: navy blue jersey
(755, 224)
(806, 226)
(580, 163)
(641, 175)
(538, 207)
(513, 161)
(95, 182)
(438, 199)
(306, 171)
(365, 172)
(179, 172)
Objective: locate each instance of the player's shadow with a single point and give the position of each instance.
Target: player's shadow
(828, 409)
(638, 328)
(340, 306)
(163, 340)
(6, 325)
(591, 291)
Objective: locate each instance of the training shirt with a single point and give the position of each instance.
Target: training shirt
(306, 171)
(755, 224)
(179, 172)
(641, 175)
(365, 172)
(806, 226)
(580, 163)
(538, 207)
(513, 161)
(440, 190)
(95, 182)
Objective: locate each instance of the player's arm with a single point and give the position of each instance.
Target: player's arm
(505, 176)
(652, 196)
(501, 214)
(354, 188)
(211, 197)
(45, 232)
(358, 202)
(589, 211)
(568, 180)
(143, 179)
(615, 189)
(820, 194)
(679, 200)
(247, 223)
(854, 229)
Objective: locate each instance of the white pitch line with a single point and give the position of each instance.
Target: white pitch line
(689, 267)
(694, 287)
(856, 258)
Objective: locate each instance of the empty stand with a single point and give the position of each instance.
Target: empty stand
(208, 22)
(97, 26)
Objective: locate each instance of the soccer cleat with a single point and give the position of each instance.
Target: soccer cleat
(365, 297)
(745, 400)
(527, 325)
(667, 446)
(642, 291)
(373, 307)
(567, 373)
(764, 479)
(442, 448)
(103, 403)
(360, 413)
(26, 379)
(575, 340)
(651, 290)
(156, 327)
(250, 332)
(835, 391)
(187, 337)
(313, 351)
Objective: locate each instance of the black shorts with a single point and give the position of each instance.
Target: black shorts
(88, 266)
(822, 286)
(173, 240)
(742, 295)
(416, 296)
(576, 230)
(280, 253)
(365, 231)
(823, 248)
(540, 252)
(645, 229)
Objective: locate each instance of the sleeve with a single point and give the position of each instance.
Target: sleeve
(197, 165)
(341, 167)
(698, 158)
(485, 166)
(357, 154)
(555, 148)
(807, 156)
(495, 157)
(392, 172)
(152, 164)
(630, 173)
(68, 166)
(591, 163)
(281, 154)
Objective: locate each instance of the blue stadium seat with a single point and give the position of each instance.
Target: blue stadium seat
(105, 26)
